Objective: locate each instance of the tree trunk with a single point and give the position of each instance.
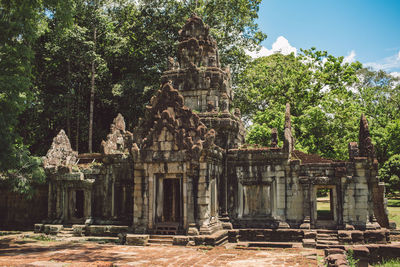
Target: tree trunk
(69, 99)
(92, 95)
(77, 121)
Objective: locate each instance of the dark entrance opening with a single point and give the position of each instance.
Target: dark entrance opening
(79, 203)
(172, 200)
(324, 204)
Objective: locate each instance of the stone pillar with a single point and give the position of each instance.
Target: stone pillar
(226, 224)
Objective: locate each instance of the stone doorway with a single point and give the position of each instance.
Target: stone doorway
(171, 201)
(79, 204)
(325, 206)
(168, 200)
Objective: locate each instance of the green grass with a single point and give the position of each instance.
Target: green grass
(44, 238)
(394, 210)
(4, 233)
(389, 263)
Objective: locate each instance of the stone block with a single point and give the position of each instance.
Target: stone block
(344, 237)
(180, 240)
(55, 229)
(114, 230)
(310, 234)
(357, 237)
(38, 228)
(330, 251)
(233, 236)
(96, 230)
(137, 240)
(375, 236)
(78, 229)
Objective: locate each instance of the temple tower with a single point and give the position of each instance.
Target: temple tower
(205, 86)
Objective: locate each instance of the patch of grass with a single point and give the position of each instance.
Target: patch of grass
(350, 259)
(394, 211)
(3, 233)
(394, 202)
(44, 238)
(390, 263)
(102, 240)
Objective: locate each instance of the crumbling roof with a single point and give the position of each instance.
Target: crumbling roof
(309, 158)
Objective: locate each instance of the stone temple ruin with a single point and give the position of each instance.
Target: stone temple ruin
(185, 169)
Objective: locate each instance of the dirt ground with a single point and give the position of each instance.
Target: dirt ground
(28, 250)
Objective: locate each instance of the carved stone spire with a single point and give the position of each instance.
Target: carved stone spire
(196, 47)
(288, 143)
(119, 140)
(366, 148)
(60, 152)
(274, 137)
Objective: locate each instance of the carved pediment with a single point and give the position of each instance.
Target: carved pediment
(60, 152)
(166, 111)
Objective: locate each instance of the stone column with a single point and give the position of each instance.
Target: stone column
(226, 224)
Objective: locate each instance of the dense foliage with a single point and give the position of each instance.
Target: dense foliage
(327, 98)
(390, 174)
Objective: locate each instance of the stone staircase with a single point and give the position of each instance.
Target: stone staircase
(327, 239)
(66, 232)
(166, 229)
(161, 239)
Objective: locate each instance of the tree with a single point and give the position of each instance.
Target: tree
(316, 85)
(390, 174)
(21, 24)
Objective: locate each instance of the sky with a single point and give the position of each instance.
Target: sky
(364, 30)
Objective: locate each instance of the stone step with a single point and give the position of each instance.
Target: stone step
(168, 237)
(322, 246)
(270, 245)
(327, 238)
(326, 231)
(309, 243)
(160, 241)
(328, 242)
(326, 235)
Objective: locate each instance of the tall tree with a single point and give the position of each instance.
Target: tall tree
(22, 22)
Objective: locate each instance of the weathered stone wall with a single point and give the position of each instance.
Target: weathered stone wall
(19, 212)
(253, 175)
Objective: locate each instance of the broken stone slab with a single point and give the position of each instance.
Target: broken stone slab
(107, 230)
(309, 243)
(52, 229)
(78, 229)
(233, 236)
(38, 228)
(180, 240)
(375, 236)
(137, 240)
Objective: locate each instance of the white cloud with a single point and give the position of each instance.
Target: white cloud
(395, 74)
(281, 45)
(350, 57)
(392, 62)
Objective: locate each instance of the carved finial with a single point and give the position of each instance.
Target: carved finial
(171, 63)
(237, 113)
(119, 139)
(288, 143)
(60, 152)
(274, 137)
(224, 103)
(366, 148)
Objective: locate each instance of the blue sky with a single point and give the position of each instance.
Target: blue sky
(363, 30)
